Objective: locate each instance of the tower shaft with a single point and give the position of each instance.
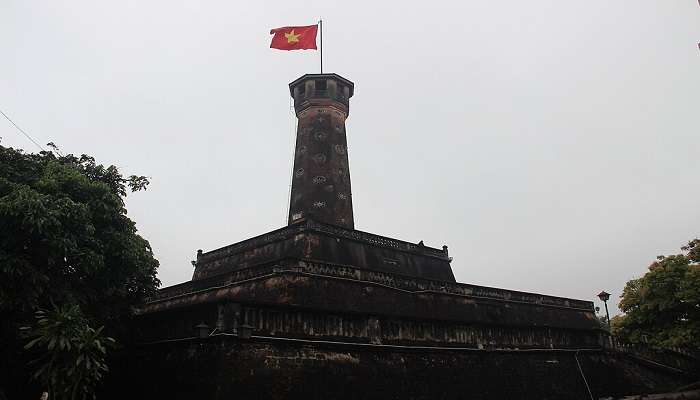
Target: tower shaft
(321, 177)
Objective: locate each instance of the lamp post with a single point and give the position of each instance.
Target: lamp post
(604, 296)
(202, 330)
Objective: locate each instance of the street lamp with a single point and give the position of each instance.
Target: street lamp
(202, 330)
(604, 296)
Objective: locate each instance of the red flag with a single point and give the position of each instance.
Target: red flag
(294, 37)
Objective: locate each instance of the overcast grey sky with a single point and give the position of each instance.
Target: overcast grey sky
(552, 145)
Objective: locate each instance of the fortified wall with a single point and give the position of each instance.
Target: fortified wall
(227, 367)
(319, 309)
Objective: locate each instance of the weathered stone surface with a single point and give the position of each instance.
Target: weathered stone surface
(339, 313)
(226, 368)
(309, 299)
(317, 241)
(321, 176)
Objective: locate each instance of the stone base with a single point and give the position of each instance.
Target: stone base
(226, 367)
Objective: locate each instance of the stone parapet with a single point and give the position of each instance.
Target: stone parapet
(314, 240)
(306, 299)
(395, 281)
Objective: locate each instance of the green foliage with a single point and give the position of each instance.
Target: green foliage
(72, 355)
(66, 236)
(693, 250)
(65, 239)
(663, 306)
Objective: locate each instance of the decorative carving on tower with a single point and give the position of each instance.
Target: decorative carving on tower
(321, 178)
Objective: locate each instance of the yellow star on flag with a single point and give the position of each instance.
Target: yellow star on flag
(291, 37)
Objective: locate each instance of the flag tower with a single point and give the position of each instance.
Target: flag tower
(321, 177)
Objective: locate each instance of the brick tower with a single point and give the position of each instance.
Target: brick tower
(317, 308)
(321, 176)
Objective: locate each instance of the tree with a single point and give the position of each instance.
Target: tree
(72, 357)
(663, 306)
(65, 239)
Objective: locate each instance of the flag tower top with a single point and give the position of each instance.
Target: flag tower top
(333, 76)
(321, 89)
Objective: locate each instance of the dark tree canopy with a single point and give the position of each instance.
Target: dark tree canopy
(663, 306)
(65, 238)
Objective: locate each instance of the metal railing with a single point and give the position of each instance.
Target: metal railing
(676, 357)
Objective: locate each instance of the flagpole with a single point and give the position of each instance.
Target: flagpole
(320, 26)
